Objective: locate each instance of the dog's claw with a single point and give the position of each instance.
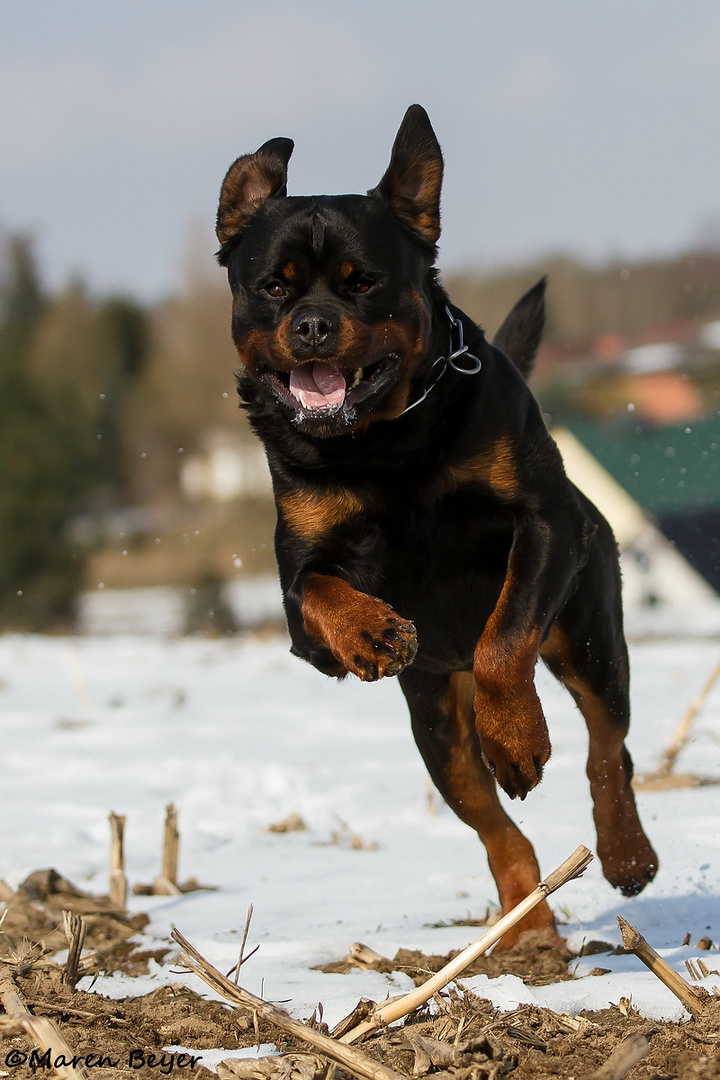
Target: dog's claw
(516, 778)
(381, 650)
(514, 739)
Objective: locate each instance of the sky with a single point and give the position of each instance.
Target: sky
(566, 127)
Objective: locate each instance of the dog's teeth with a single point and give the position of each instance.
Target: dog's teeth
(357, 377)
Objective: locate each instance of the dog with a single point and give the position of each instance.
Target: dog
(425, 525)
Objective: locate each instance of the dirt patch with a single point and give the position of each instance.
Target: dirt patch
(535, 961)
(32, 926)
(462, 1037)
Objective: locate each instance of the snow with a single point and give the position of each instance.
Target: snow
(239, 735)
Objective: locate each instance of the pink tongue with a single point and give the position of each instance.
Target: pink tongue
(318, 386)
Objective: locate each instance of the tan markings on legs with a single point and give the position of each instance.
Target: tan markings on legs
(510, 721)
(627, 858)
(471, 792)
(362, 632)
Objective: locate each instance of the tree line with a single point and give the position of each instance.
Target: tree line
(101, 396)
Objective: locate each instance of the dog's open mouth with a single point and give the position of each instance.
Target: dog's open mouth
(322, 391)
(320, 385)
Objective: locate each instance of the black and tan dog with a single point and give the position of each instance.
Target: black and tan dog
(426, 528)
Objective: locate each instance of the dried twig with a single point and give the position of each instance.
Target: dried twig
(396, 1008)
(75, 930)
(40, 1029)
(351, 1059)
(635, 943)
(241, 955)
(118, 881)
(622, 1059)
(661, 776)
(682, 732)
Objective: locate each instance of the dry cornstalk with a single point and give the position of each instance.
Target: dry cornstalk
(364, 956)
(622, 1059)
(43, 1031)
(288, 1067)
(166, 884)
(354, 1060)
(396, 1008)
(75, 930)
(170, 844)
(679, 738)
(635, 943)
(118, 881)
(681, 734)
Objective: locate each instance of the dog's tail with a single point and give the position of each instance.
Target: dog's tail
(520, 334)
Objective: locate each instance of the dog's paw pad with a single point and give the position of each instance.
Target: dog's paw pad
(381, 646)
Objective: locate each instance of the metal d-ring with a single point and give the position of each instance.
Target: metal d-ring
(462, 349)
(449, 361)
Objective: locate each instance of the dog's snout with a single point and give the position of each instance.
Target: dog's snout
(314, 331)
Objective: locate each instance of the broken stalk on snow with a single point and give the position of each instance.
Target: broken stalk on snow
(354, 1060)
(41, 1029)
(634, 942)
(682, 732)
(166, 884)
(660, 778)
(118, 881)
(75, 930)
(396, 1008)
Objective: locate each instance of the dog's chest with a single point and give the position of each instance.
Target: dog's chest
(444, 566)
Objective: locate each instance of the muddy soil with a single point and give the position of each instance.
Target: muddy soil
(464, 1038)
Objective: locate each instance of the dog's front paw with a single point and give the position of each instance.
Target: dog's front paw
(363, 633)
(516, 773)
(382, 645)
(514, 740)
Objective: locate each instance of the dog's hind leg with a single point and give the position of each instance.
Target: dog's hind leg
(443, 723)
(586, 650)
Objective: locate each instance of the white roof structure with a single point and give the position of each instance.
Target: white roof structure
(653, 569)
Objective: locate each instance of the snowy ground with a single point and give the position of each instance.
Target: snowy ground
(239, 735)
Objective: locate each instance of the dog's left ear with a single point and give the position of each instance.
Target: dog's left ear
(413, 179)
(251, 180)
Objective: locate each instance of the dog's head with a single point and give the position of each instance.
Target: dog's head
(331, 306)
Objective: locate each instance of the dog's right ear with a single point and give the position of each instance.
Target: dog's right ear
(249, 182)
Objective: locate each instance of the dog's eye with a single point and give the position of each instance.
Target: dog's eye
(361, 286)
(275, 289)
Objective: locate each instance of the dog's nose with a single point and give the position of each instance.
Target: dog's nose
(314, 331)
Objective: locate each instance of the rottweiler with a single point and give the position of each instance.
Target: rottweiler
(425, 525)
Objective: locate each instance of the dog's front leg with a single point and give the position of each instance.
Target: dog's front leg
(546, 553)
(363, 634)
(330, 557)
